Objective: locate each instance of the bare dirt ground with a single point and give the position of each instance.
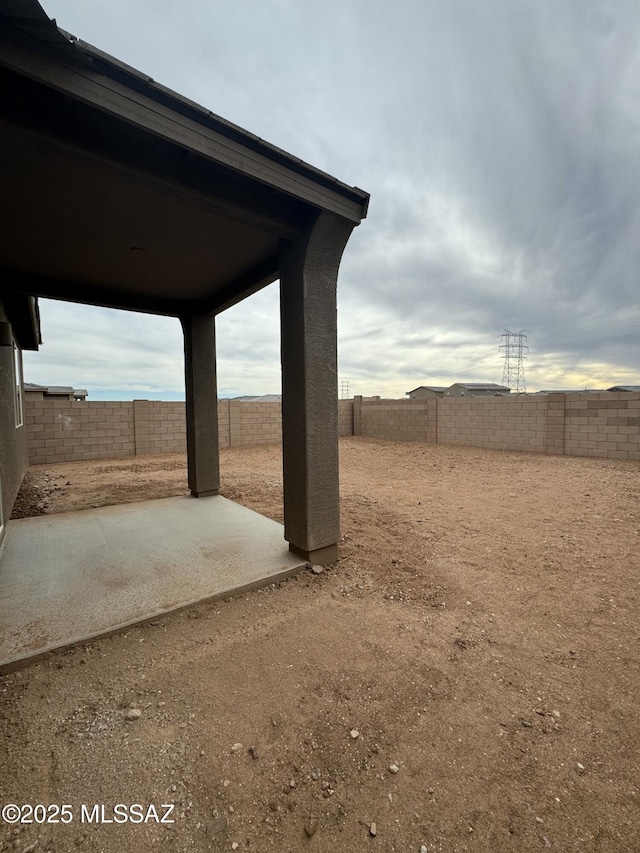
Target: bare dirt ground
(466, 677)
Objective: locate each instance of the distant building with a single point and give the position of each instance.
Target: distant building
(426, 391)
(476, 389)
(573, 391)
(631, 388)
(53, 392)
(261, 398)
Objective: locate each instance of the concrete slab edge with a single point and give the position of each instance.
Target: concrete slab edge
(15, 664)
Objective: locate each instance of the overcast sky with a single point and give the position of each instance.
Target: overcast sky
(500, 142)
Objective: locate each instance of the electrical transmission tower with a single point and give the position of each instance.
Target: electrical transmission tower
(515, 349)
(344, 389)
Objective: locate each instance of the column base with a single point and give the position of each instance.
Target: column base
(318, 557)
(205, 494)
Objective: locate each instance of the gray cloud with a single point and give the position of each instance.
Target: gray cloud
(498, 140)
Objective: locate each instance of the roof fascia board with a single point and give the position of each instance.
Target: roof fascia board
(116, 68)
(24, 317)
(101, 92)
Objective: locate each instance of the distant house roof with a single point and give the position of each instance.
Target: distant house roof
(264, 398)
(633, 388)
(574, 391)
(428, 388)
(49, 390)
(481, 386)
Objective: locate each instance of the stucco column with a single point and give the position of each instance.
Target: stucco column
(308, 278)
(203, 457)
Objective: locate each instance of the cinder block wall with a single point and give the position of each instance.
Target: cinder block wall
(605, 425)
(501, 423)
(398, 420)
(345, 417)
(69, 431)
(224, 423)
(254, 423)
(158, 427)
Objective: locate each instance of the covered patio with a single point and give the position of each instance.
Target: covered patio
(74, 576)
(121, 193)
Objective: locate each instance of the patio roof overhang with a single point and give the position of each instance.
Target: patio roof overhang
(119, 192)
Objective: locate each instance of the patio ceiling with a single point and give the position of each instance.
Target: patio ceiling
(119, 192)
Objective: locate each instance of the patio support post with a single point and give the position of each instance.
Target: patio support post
(203, 457)
(308, 278)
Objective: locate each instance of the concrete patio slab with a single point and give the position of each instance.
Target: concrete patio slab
(70, 577)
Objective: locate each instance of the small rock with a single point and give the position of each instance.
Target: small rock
(235, 845)
(254, 753)
(354, 733)
(526, 724)
(373, 829)
(311, 827)
(317, 569)
(273, 805)
(292, 783)
(134, 714)
(236, 747)
(394, 768)
(423, 848)
(547, 843)
(580, 767)
(315, 775)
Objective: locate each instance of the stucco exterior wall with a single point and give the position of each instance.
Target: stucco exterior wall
(13, 440)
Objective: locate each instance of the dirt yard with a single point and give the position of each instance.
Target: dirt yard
(465, 678)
